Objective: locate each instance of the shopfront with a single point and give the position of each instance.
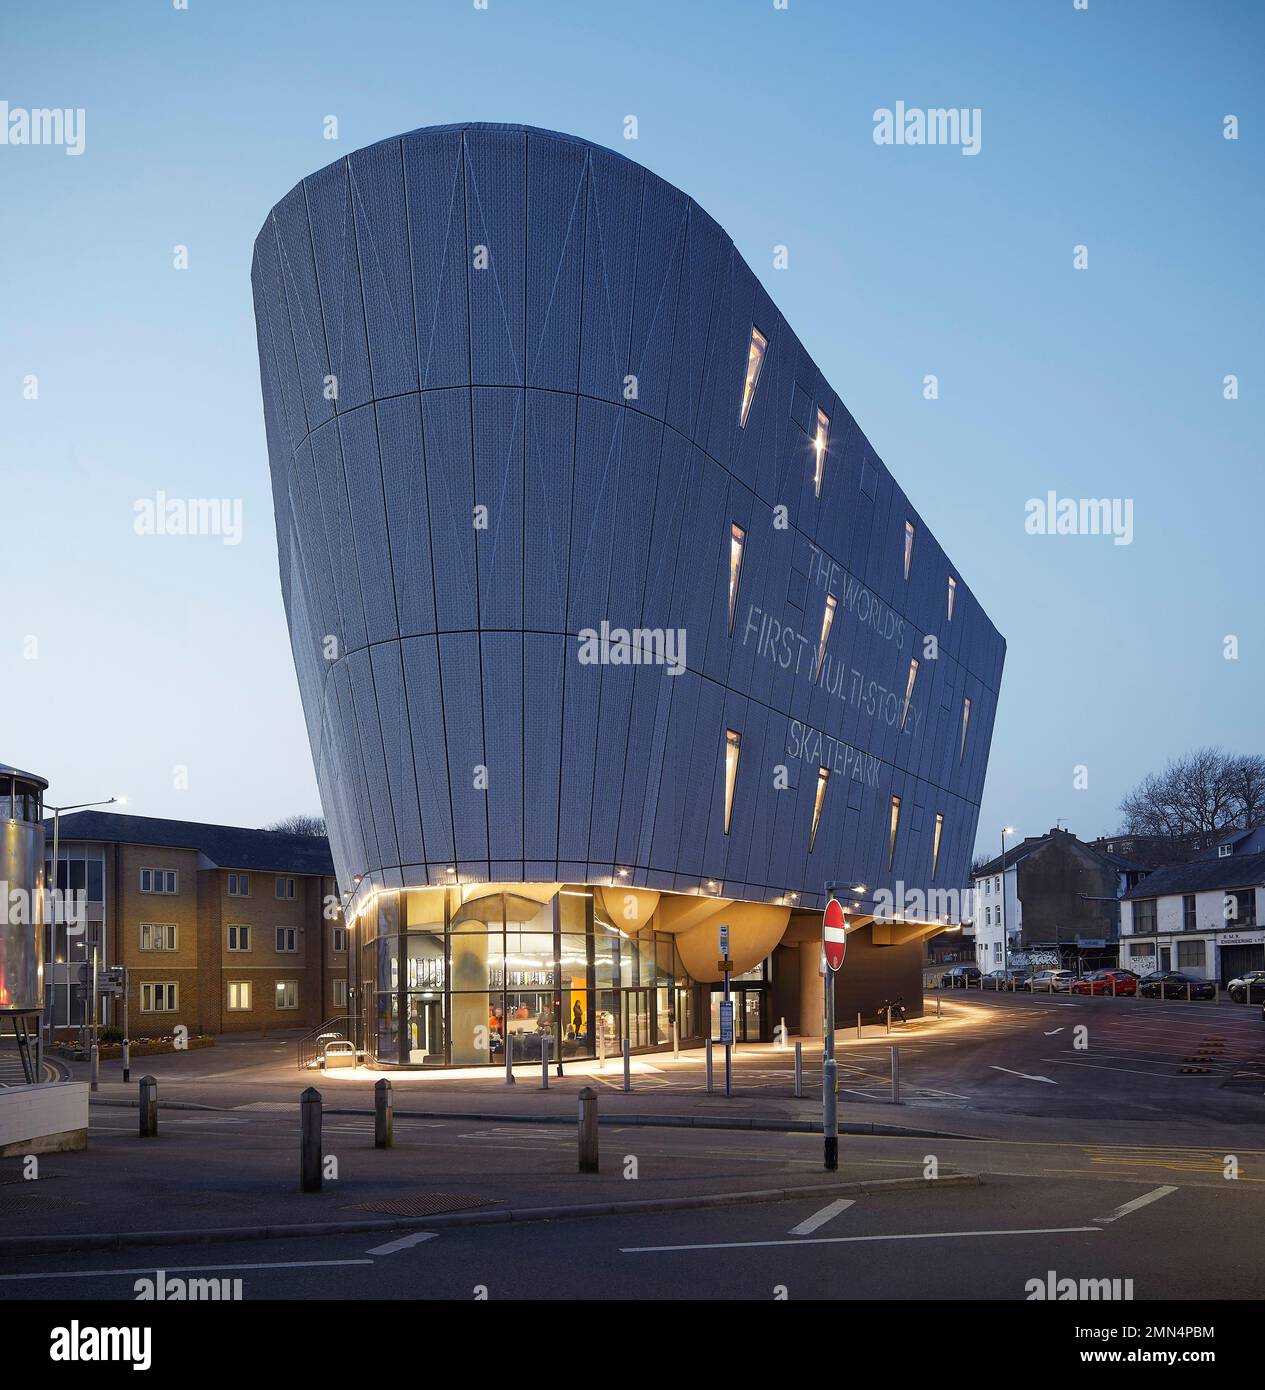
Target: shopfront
(455, 976)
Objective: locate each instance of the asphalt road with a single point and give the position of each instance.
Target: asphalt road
(967, 1243)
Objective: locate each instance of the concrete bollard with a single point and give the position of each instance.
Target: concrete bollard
(544, 1061)
(588, 1130)
(627, 1066)
(310, 1140)
(896, 1075)
(707, 1052)
(799, 1070)
(383, 1115)
(149, 1108)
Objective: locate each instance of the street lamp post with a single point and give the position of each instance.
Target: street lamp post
(1005, 930)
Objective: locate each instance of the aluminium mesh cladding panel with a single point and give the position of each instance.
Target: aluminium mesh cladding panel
(503, 372)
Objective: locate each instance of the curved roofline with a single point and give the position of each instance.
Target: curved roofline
(7, 771)
(449, 127)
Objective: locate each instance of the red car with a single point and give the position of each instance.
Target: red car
(1100, 982)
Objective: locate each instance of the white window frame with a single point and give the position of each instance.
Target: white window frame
(292, 935)
(145, 936)
(242, 946)
(149, 881)
(340, 994)
(239, 1007)
(153, 1007)
(339, 942)
(288, 986)
(284, 888)
(239, 885)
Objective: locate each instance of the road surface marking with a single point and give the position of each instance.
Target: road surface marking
(179, 1269)
(1053, 1031)
(819, 1218)
(1025, 1076)
(1144, 1201)
(403, 1243)
(1127, 1071)
(849, 1240)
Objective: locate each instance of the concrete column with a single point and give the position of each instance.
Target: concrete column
(811, 990)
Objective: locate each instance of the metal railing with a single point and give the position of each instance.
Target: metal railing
(311, 1045)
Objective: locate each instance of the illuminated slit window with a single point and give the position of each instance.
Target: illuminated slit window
(953, 588)
(909, 546)
(827, 621)
(823, 776)
(755, 360)
(891, 840)
(909, 689)
(966, 719)
(733, 745)
(820, 441)
(737, 541)
(935, 844)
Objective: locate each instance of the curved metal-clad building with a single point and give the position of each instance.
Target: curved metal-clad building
(600, 600)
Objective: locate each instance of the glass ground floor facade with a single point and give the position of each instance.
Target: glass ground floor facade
(445, 980)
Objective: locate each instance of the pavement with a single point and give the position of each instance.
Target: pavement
(1023, 1124)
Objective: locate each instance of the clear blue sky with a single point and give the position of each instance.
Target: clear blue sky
(1100, 127)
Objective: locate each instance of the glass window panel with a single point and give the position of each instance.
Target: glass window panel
(755, 360)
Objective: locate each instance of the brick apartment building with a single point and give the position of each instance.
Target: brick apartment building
(222, 929)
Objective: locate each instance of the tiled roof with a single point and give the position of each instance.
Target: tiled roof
(228, 846)
(1202, 875)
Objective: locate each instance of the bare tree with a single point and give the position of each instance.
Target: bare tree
(1203, 791)
(299, 825)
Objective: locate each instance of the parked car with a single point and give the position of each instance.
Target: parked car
(1051, 982)
(1004, 979)
(1117, 982)
(961, 977)
(1172, 984)
(1248, 988)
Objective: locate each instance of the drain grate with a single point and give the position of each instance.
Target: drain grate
(425, 1204)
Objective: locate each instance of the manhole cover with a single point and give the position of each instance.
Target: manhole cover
(427, 1204)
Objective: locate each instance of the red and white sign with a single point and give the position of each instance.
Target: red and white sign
(834, 935)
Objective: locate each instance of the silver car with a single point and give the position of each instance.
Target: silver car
(1051, 982)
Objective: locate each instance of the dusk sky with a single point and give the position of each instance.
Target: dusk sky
(125, 658)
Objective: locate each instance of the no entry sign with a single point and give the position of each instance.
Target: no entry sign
(834, 936)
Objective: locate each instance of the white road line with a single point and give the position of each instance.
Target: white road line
(1144, 1201)
(1024, 1075)
(819, 1218)
(179, 1269)
(404, 1243)
(849, 1240)
(1128, 1071)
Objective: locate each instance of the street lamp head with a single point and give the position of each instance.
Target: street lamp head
(1008, 830)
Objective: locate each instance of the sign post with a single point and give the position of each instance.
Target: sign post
(726, 1008)
(834, 944)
